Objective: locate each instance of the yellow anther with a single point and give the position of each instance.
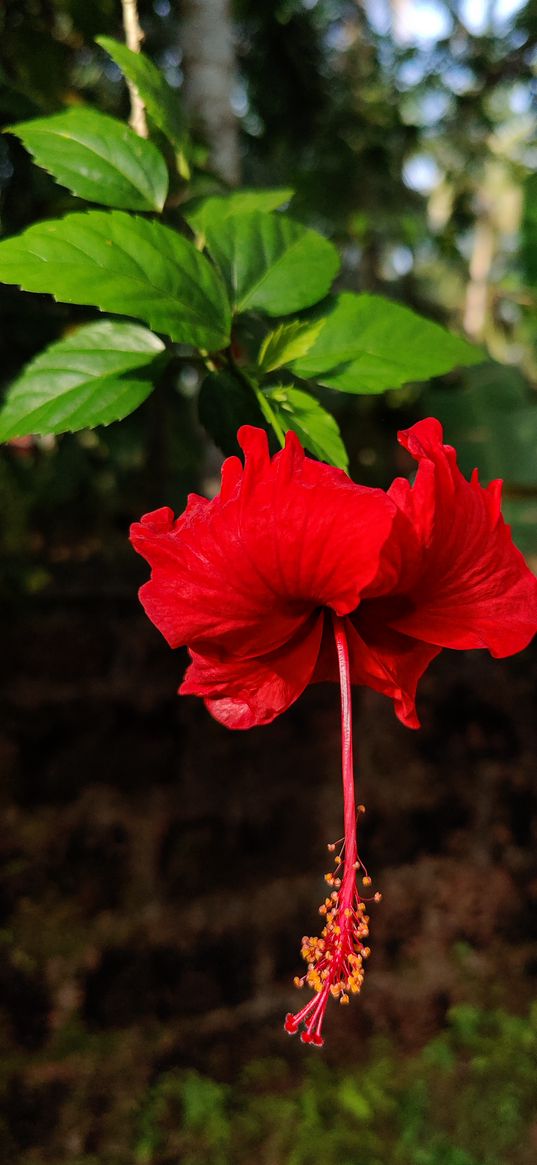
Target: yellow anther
(344, 999)
(366, 881)
(298, 982)
(377, 897)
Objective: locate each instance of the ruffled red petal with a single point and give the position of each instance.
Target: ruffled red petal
(244, 571)
(380, 658)
(471, 587)
(243, 693)
(243, 579)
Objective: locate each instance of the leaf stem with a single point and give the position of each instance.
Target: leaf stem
(262, 400)
(133, 37)
(268, 412)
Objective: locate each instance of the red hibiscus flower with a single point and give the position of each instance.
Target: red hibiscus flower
(295, 574)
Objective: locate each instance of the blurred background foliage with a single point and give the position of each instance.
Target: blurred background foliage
(430, 1109)
(407, 128)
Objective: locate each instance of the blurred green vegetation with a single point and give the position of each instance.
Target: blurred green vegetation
(407, 131)
(468, 1098)
(415, 151)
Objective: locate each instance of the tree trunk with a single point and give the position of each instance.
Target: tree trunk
(209, 69)
(477, 288)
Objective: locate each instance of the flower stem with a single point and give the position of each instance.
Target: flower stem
(262, 400)
(268, 412)
(347, 765)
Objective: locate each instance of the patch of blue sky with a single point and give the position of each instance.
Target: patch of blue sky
(476, 14)
(401, 260)
(433, 106)
(412, 71)
(424, 22)
(379, 14)
(520, 99)
(459, 78)
(340, 36)
(421, 173)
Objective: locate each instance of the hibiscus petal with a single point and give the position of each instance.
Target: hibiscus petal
(244, 571)
(308, 527)
(243, 693)
(380, 658)
(473, 587)
(202, 588)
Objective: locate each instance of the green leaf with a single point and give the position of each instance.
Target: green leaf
(99, 374)
(97, 158)
(368, 344)
(288, 342)
(271, 263)
(160, 100)
(224, 404)
(124, 265)
(203, 213)
(317, 429)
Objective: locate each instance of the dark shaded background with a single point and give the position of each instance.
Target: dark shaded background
(158, 871)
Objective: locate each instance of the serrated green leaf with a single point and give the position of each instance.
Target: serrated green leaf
(160, 100)
(271, 263)
(318, 430)
(99, 374)
(288, 342)
(368, 344)
(203, 213)
(97, 158)
(124, 265)
(224, 404)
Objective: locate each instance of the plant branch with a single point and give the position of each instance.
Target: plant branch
(134, 37)
(262, 400)
(268, 412)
